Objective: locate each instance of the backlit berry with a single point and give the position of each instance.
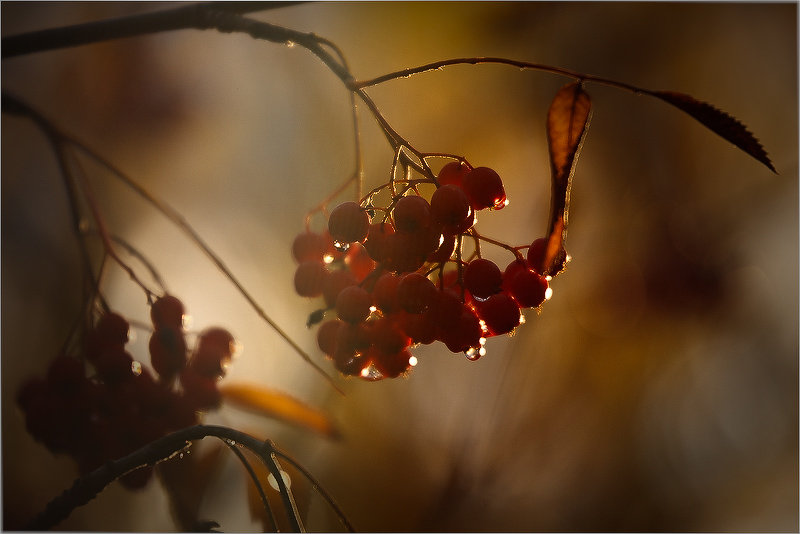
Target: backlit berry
(348, 223)
(452, 173)
(415, 293)
(411, 214)
(482, 278)
(499, 313)
(309, 278)
(352, 304)
(167, 311)
(112, 328)
(528, 288)
(326, 336)
(484, 188)
(309, 246)
(334, 283)
(450, 206)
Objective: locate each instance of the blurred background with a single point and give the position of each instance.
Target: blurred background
(656, 391)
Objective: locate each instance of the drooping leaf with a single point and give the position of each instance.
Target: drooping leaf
(279, 405)
(567, 123)
(719, 122)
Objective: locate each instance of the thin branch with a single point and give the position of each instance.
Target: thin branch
(15, 105)
(254, 478)
(88, 487)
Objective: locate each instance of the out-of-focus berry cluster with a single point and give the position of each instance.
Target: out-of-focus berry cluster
(100, 404)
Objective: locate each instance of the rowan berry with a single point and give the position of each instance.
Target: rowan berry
(213, 352)
(167, 348)
(334, 283)
(391, 364)
(167, 311)
(112, 328)
(348, 223)
(482, 278)
(386, 335)
(353, 304)
(452, 173)
(326, 336)
(359, 261)
(528, 288)
(484, 188)
(499, 313)
(377, 243)
(445, 250)
(411, 214)
(309, 246)
(384, 292)
(309, 278)
(450, 206)
(415, 293)
(465, 334)
(536, 254)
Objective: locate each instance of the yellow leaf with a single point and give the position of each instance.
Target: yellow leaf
(272, 403)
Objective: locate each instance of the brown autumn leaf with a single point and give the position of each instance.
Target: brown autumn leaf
(279, 405)
(567, 123)
(718, 122)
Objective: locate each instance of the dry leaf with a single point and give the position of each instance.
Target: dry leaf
(279, 405)
(719, 122)
(567, 123)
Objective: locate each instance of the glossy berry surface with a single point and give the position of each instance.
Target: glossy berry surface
(484, 188)
(349, 223)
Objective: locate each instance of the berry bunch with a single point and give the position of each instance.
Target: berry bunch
(123, 406)
(395, 275)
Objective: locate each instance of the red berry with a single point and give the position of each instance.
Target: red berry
(348, 223)
(334, 283)
(482, 278)
(384, 292)
(465, 334)
(536, 254)
(512, 269)
(392, 364)
(112, 328)
(213, 351)
(351, 340)
(359, 261)
(352, 304)
(445, 250)
(450, 206)
(199, 392)
(528, 289)
(309, 278)
(484, 188)
(326, 336)
(452, 173)
(415, 293)
(309, 246)
(114, 366)
(167, 311)
(403, 254)
(386, 335)
(377, 243)
(167, 352)
(411, 214)
(500, 313)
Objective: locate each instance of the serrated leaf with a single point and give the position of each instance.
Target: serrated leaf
(567, 124)
(278, 405)
(719, 122)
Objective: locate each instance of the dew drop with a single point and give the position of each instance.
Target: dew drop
(136, 368)
(328, 258)
(412, 361)
(548, 293)
(473, 354)
(290, 44)
(341, 247)
(370, 372)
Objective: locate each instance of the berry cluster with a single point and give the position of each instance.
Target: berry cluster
(396, 278)
(123, 406)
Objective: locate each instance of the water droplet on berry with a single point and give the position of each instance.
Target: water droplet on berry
(412, 361)
(341, 247)
(548, 293)
(274, 483)
(187, 321)
(136, 368)
(327, 258)
(480, 299)
(521, 319)
(371, 373)
(473, 354)
(290, 44)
